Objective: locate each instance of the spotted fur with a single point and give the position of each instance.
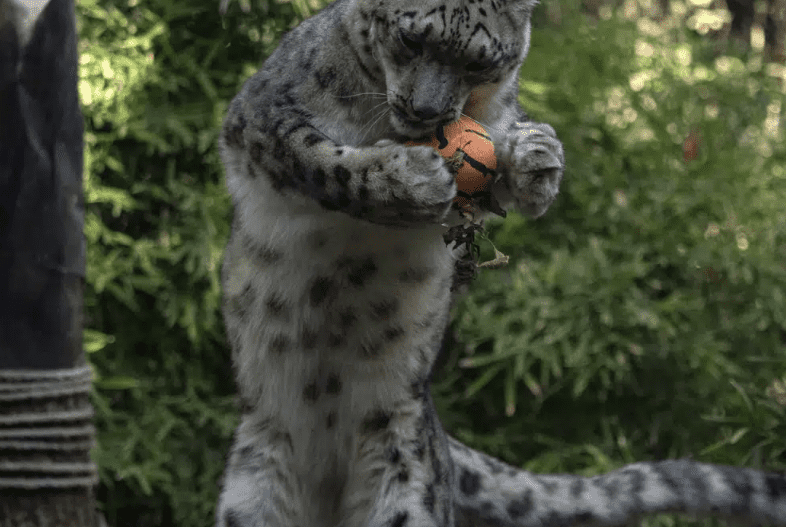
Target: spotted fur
(337, 282)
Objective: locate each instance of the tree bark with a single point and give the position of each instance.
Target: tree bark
(46, 475)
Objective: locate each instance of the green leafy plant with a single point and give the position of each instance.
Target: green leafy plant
(644, 316)
(155, 79)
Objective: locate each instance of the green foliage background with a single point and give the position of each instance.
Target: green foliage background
(643, 317)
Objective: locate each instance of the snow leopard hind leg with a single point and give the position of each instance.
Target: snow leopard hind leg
(490, 493)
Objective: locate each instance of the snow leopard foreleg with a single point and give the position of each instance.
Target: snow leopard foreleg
(530, 158)
(388, 184)
(532, 163)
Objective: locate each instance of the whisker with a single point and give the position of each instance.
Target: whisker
(371, 125)
(484, 125)
(371, 93)
(383, 103)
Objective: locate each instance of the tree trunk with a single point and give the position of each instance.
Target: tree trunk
(46, 431)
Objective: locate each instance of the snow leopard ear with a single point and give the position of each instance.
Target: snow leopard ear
(22, 16)
(527, 6)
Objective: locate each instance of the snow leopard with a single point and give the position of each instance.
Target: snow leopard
(337, 283)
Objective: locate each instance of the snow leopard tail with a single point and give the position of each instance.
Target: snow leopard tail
(491, 493)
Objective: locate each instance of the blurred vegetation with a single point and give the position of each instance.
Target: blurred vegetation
(643, 317)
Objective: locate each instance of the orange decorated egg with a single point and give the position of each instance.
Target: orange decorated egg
(470, 153)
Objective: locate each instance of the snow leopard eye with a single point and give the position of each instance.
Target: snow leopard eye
(475, 67)
(409, 43)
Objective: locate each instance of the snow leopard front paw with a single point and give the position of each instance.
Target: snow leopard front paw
(532, 164)
(415, 185)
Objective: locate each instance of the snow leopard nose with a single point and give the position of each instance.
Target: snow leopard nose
(428, 109)
(432, 92)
